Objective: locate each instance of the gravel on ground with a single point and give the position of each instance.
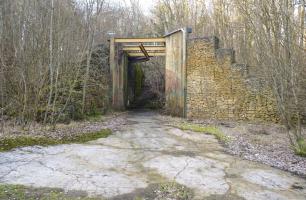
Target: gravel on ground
(112, 121)
(266, 143)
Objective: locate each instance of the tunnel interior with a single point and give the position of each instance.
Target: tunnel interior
(146, 84)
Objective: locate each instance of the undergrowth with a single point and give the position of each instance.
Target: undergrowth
(300, 148)
(212, 130)
(22, 141)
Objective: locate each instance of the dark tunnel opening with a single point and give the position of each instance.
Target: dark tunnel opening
(146, 84)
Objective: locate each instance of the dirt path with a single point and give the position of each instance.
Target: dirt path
(145, 153)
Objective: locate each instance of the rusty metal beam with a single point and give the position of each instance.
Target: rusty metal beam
(143, 50)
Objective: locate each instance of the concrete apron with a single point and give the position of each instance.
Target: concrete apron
(144, 153)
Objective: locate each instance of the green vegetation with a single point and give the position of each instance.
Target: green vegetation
(175, 191)
(95, 117)
(161, 191)
(212, 130)
(138, 80)
(165, 190)
(10, 192)
(300, 147)
(90, 136)
(22, 141)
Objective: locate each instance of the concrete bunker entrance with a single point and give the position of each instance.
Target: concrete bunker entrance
(202, 79)
(127, 54)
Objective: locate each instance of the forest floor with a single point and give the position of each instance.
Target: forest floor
(75, 132)
(146, 157)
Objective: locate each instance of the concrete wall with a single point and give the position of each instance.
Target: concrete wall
(119, 67)
(219, 89)
(175, 73)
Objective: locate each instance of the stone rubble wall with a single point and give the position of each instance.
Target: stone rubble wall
(218, 88)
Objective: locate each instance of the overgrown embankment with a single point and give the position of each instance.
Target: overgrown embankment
(67, 97)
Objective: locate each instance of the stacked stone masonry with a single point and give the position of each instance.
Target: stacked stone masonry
(220, 89)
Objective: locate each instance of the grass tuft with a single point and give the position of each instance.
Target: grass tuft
(300, 148)
(7, 144)
(212, 130)
(90, 136)
(174, 190)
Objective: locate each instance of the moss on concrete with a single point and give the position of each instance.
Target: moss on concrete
(22, 141)
(138, 80)
(159, 191)
(212, 130)
(10, 192)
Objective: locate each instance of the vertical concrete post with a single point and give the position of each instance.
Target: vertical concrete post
(184, 71)
(175, 77)
(118, 65)
(112, 65)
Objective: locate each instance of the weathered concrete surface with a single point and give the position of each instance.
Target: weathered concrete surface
(147, 152)
(175, 76)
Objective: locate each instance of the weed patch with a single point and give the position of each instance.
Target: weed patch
(174, 191)
(300, 148)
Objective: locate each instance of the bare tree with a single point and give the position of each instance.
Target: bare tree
(93, 9)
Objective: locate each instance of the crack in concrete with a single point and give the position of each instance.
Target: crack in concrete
(182, 170)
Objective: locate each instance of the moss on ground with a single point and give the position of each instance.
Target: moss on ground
(174, 190)
(212, 130)
(300, 148)
(139, 76)
(22, 141)
(159, 191)
(10, 192)
(96, 117)
(154, 191)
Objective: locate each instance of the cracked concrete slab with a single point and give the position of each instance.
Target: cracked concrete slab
(268, 179)
(202, 174)
(145, 152)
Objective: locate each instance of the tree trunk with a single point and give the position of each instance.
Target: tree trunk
(50, 62)
(302, 18)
